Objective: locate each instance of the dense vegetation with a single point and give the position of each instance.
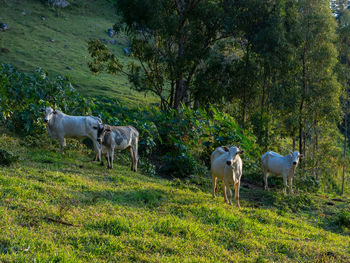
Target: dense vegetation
(263, 75)
(280, 68)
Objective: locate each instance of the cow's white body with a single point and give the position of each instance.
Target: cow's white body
(280, 165)
(226, 164)
(61, 126)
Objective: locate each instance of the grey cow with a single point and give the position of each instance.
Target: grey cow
(120, 138)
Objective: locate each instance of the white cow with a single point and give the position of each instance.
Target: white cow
(226, 164)
(120, 138)
(280, 165)
(61, 126)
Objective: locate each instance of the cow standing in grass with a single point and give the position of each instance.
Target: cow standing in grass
(120, 138)
(226, 164)
(61, 126)
(280, 165)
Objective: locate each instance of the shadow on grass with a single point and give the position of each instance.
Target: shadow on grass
(150, 197)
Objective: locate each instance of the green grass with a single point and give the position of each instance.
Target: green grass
(28, 42)
(58, 208)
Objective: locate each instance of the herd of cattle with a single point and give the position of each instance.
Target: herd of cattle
(226, 163)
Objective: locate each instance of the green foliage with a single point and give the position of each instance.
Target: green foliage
(7, 158)
(182, 141)
(343, 219)
(294, 203)
(34, 91)
(307, 183)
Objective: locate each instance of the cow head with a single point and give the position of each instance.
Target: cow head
(232, 153)
(49, 112)
(101, 131)
(295, 157)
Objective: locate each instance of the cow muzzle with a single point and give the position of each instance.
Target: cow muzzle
(294, 163)
(99, 140)
(228, 162)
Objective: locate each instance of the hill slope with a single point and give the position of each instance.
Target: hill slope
(56, 40)
(66, 208)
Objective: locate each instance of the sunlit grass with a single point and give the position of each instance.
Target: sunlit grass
(30, 47)
(66, 208)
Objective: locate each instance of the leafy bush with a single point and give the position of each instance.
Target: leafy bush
(34, 91)
(7, 157)
(344, 219)
(179, 142)
(307, 183)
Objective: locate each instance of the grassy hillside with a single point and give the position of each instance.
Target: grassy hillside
(68, 209)
(30, 46)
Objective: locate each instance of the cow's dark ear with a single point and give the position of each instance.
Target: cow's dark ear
(41, 109)
(225, 148)
(108, 129)
(241, 152)
(54, 112)
(94, 127)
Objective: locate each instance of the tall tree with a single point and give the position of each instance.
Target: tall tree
(169, 39)
(343, 18)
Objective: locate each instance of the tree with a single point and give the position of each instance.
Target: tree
(343, 18)
(169, 40)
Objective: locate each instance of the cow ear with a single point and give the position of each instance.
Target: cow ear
(94, 127)
(241, 152)
(225, 148)
(108, 129)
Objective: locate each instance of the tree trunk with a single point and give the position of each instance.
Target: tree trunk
(345, 137)
(293, 143)
(172, 94)
(301, 108)
(180, 83)
(262, 105)
(316, 147)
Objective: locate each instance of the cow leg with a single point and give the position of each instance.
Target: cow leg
(136, 156)
(284, 183)
(266, 174)
(290, 184)
(237, 186)
(111, 156)
(62, 143)
(228, 193)
(224, 190)
(97, 149)
(214, 185)
(132, 158)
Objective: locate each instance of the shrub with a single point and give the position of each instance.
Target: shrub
(343, 219)
(7, 157)
(34, 91)
(181, 142)
(307, 183)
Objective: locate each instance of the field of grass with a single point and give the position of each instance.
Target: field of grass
(58, 208)
(29, 43)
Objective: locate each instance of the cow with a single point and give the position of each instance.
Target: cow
(61, 126)
(280, 165)
(226, 164)
(120, 138)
